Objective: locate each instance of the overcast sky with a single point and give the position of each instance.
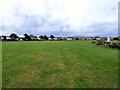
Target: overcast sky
(59, 17)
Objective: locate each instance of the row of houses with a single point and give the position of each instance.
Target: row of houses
(38, 38)
(22, 38)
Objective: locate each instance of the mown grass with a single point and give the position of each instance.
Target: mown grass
(59, 64)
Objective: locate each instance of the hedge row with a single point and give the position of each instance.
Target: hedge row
(104, 43)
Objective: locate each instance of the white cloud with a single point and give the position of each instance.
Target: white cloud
(77, 15)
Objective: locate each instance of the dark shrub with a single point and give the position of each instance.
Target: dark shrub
(100, 42)
(115, 45)
(93, 41)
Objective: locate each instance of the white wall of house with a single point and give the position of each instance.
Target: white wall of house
(69, 38)
(49, 38)
(89, 38)
(38, 38)
(55, 38)
(98, 38)
(8, 38)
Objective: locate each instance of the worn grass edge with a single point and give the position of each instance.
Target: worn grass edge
(0, 64)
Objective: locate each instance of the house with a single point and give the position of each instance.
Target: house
(21, 38)
(60, 38)
(69, 38)
(38, 38)
(3, 38)
(55, 38)
(8, 38)
(98, 38)
(88, 38)
(33, 37)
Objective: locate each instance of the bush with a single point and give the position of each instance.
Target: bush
(93, 41)
(115, 45)
(100, 42)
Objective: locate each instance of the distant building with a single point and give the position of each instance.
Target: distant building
(2, 38)
(33, 37)
(38, 38)
(69, 38)
(8, 38)
(87, 38)
(21, 38)
(55, 38)
(98, 38)
(59, 38)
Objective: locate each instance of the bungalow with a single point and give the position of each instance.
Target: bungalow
(55, 38)
(88, 38)
(69, 38)
(98, 38)
(21, 38)
(33, 37)
(59, 38)
(3, 38)
(38, 38)
(8, 38)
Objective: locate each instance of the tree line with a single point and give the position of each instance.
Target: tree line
(15, 37)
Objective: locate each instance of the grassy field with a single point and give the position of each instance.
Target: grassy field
(59, 64)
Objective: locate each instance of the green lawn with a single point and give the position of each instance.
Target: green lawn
(59, 64)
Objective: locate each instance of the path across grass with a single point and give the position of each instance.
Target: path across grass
(60, 64)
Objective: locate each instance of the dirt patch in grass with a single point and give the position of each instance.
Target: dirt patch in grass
(62, 66)
(52, 81)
